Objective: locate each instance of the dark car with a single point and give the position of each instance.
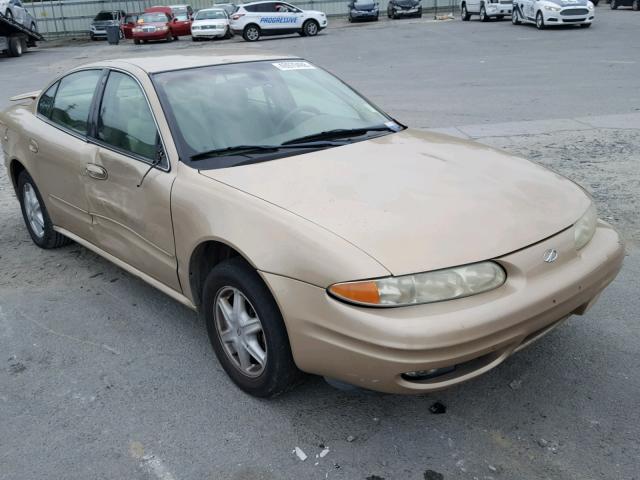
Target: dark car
(404, 8)
(102, 20)
(634, 4)
(363, 10)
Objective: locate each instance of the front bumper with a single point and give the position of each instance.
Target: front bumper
(156, 35)
(562, 18)
(362, 15)
(373, 348)
(208, 33)
(98, 33)
(407, 12)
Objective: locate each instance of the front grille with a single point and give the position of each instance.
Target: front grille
(575, 11)
(505, 2)
(575, 20)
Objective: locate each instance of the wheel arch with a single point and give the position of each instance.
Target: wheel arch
(16, 167)
(204, 257)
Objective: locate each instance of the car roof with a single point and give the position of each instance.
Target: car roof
(258, 3)
(181, 62)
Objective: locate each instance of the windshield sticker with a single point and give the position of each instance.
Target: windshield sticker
(278, 20)
(285, 66)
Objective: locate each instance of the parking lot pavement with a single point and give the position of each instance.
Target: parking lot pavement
(104, 377)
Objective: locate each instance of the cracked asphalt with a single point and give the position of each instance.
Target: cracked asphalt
(103, 377)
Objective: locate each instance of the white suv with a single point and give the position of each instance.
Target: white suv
(255, 19)
(485, 9)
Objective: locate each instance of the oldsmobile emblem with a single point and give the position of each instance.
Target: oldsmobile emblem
(550, 255)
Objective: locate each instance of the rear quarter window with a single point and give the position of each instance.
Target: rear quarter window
(45, 105)
(73, 100)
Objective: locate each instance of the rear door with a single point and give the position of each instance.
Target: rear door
(181, 23)
(278, 17)
(59, 149)
(132, 216)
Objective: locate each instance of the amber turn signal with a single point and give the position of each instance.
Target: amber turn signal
(359, 292)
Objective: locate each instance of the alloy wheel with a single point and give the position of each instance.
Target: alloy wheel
(240, 331)
(33, 210)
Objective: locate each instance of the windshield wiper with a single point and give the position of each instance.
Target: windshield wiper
(339, 133)
(250, 149)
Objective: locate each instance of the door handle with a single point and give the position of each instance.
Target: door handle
(96, 171)
(33, 145)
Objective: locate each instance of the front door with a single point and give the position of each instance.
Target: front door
(60, 152)
(132, 216)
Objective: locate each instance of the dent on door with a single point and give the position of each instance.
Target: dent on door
(130, 222)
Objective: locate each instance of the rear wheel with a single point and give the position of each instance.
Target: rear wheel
(464, 14)
(15, 46)
(539, 21)
(136, 41)
(310, 28)
(246, 330)
(483, 14)
(35, 215)
(251, 33)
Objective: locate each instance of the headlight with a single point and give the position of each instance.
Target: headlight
(163, 28)
(585, 227)
(553, 9)
(425, 287)
(137, 30)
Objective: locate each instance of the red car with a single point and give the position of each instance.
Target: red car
(181, 17)
(153, 26)
(128, 25)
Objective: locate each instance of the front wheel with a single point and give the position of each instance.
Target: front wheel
(539, 21)
(483, 14)
(35, 215)
(251, 33)
(464, 14)
(136, 41)
(246, 329)
(515, 17)
(310, 28)
(228, 34)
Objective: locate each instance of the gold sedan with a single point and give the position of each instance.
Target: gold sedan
(312, 231)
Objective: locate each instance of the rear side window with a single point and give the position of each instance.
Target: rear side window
(73, 100)
(125, 121)
(45, 105)
(252, 8)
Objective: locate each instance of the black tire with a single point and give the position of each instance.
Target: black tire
(33, 27)
(635, 5)
(464, 13)
(16, 46)
(613, 5)
(136, 41)
(49, 238)
(350, 19)
(515, 17)
(539, 21)
(483, 14)
(595, 2)
(8, 14)
(251, 33)
(310, 28)
(377, 18)
(194, 39)
(280, 372)
(228, 34)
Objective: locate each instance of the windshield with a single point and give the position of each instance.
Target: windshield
(364, 4)
(260, 103)
(180, 13)
(102, 16)
(154, 18)
(210, 15)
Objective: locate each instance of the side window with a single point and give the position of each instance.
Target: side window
(268, 7)
(45, 105)
(252, 8)
(125, 121)
(73, 100)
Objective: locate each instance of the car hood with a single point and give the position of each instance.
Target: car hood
(418, 201)
(569, 3)
(214, 21)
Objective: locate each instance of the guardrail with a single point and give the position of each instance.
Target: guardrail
(71, 18)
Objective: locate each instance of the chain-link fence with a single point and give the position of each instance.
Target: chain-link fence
(73, 17)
